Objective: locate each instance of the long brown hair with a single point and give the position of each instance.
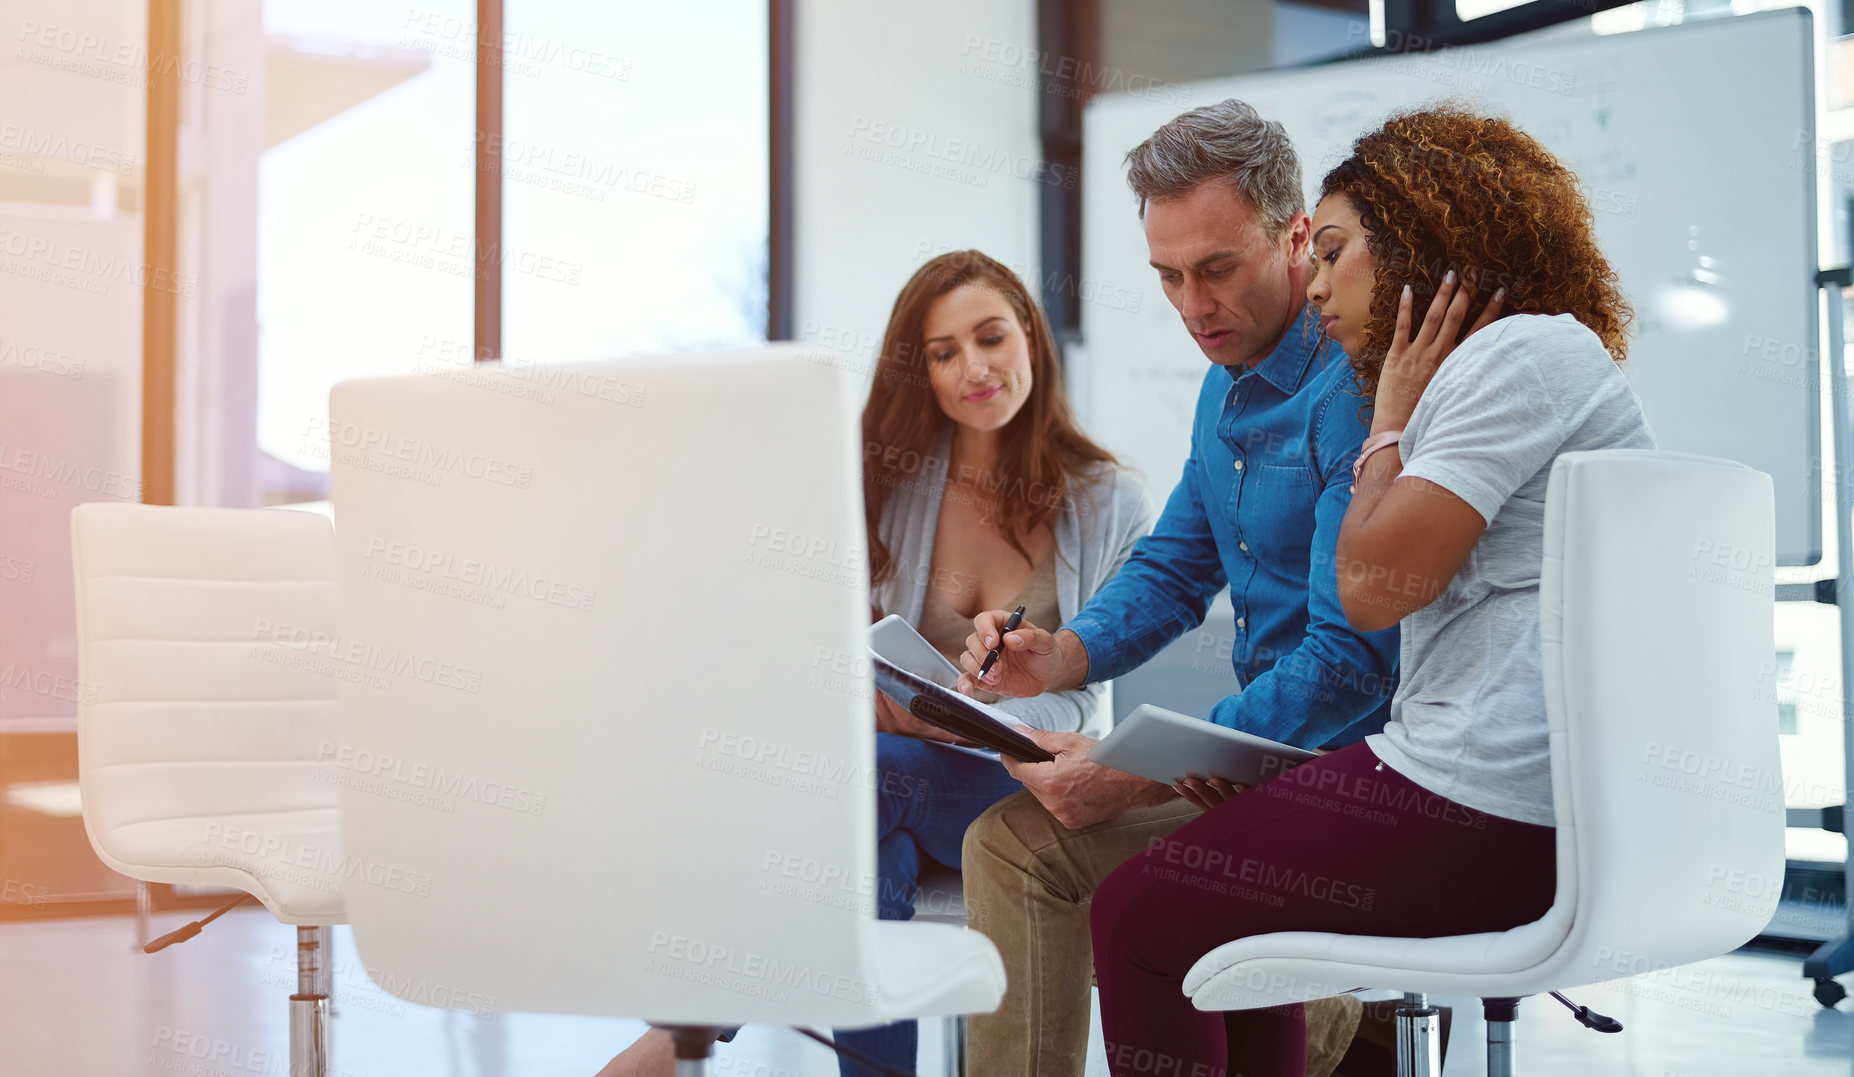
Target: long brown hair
(1043, 457)
(1443, 188)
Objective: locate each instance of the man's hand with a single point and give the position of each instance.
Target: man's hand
(892, 717)
(1079, 793)
(1030, 661)
(1207, 793)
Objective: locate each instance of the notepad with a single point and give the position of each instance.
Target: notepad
(912, 673)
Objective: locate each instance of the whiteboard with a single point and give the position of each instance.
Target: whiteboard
(1696, 147)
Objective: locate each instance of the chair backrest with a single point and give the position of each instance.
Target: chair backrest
(622, 610)
(200, 637)
(1656, 599)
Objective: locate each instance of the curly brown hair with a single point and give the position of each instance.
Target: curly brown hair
(1443, 188)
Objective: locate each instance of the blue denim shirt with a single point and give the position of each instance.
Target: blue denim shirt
(1259, 508)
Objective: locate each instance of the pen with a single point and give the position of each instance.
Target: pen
(991, 656)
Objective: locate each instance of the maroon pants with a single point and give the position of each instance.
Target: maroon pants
(1342, 843)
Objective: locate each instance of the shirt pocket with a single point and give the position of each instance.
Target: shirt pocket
(1277, 513)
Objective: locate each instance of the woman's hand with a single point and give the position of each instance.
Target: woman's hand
(892, 717)
(1413, 360)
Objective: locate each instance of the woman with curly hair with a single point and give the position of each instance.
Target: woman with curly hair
(1442, 824)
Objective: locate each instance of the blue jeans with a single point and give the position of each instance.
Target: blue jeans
(926, 797)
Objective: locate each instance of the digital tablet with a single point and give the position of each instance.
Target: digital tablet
(1166, 746)
(896, 640)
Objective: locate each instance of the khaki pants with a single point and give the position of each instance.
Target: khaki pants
(1028, 881)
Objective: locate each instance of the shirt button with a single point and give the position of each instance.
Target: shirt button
(1243, 546)
(1239, 465)
(1242, 622)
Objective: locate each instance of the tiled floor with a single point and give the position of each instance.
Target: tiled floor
(76, 1000)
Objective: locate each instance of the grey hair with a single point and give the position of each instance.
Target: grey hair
(1228, 142)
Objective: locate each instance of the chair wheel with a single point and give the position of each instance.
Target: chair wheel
(1829, 992)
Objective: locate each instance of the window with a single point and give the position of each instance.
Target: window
(635, 177)
(365, 213)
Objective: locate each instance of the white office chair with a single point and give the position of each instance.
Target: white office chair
(1655, 608)
(619, 614)
(203, 637)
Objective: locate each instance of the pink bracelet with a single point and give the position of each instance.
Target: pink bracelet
(1372, 444)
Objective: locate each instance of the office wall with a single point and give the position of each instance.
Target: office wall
(915, 133)
(1304, 33)
(1179, 41)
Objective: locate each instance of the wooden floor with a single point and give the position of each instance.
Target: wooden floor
(76, 1000)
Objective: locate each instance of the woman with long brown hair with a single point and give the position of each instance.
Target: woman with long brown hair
(1443, 823)
(981, 493)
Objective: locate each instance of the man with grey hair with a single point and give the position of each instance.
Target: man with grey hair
(1277, 426)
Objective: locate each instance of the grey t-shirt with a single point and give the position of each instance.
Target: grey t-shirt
(1468, 719)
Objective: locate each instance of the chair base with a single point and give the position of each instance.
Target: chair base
(694, 1046)
(1419, 1037)
(1830, 960)
(309, 1005)
(956, 1046)
(1502, 1014)
(144, 912)
(1418, 1042)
